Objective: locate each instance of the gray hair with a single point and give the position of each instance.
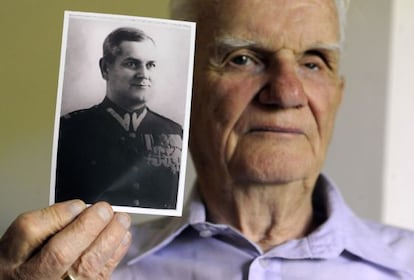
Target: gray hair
(187, 10)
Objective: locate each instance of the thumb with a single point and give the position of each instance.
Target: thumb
(32, 229)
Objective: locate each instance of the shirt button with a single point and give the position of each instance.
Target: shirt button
(135, 186)
(206, 233)
(264, 263)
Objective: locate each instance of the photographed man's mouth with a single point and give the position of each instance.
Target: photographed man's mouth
(142, 84)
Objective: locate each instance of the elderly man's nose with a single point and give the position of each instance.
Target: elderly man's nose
(284, 89)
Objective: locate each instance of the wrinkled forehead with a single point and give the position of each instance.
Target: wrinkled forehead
(273, 21)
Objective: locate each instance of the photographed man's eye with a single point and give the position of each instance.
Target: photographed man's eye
(151, 65)
(131, 64)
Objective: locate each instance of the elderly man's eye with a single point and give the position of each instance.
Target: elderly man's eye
(312, 66)
(244, 61)
(241, 60)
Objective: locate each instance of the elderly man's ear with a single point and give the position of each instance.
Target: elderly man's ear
(103, 65)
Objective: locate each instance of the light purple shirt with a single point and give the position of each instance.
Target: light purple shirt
(343, 247)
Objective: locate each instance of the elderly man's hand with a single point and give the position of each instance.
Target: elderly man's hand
(88, 243)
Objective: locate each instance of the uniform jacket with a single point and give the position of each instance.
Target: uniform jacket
(125, 159)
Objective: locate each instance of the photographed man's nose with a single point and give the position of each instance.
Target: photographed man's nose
(284, 88)
(143, 72)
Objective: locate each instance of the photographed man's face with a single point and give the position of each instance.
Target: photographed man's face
(266, 89)
(129, 78)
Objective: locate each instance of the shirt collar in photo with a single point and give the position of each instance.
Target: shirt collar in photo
(129, 121)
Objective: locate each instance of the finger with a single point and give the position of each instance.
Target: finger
(94, 260)
(30, 230)
(64, 248)
(117, 257)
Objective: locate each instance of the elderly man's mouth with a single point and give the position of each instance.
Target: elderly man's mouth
(276, 130)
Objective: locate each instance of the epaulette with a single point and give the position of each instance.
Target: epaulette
(165, 118)
(80, 112)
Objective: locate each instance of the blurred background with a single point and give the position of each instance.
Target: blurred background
(371, 153)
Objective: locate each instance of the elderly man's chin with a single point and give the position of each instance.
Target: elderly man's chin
(272, 166)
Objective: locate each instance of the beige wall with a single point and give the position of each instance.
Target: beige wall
(372, 151)
(356, 156)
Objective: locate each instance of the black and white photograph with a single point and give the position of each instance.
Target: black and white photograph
(122, 112)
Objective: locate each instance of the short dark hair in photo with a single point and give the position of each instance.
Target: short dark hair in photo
(111, 44)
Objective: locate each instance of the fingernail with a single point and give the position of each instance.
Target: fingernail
(124, 219)
(76, 207)
(104, 213)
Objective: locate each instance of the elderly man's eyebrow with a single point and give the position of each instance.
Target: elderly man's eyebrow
(234, 42)
(329, 52)
(225, 44)
(228, 43)
(326, 47)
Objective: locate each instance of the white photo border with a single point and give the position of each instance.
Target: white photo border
(125, 19)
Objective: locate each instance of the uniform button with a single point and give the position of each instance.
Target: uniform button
(135, 168)
(122, 138)
(136, 202)
(135, 186)
(93, 162)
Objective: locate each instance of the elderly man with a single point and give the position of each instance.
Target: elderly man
(266, 92)
(120, 151)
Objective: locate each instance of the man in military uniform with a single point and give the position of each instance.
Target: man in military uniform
(120, 151)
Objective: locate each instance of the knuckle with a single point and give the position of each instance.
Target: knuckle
(112, 240)
(109, 268)
(52, 214)
(88, 265)
(25, 226)
(105, 274)
(7, 274)
(85, 224)
(18, 274)
(82, 225)
(53, 256)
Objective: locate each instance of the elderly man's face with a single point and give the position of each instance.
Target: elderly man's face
(266, 89)
(129, 78)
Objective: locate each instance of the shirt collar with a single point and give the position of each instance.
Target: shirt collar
(342, 232)
(345, 233)
(108, 103)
